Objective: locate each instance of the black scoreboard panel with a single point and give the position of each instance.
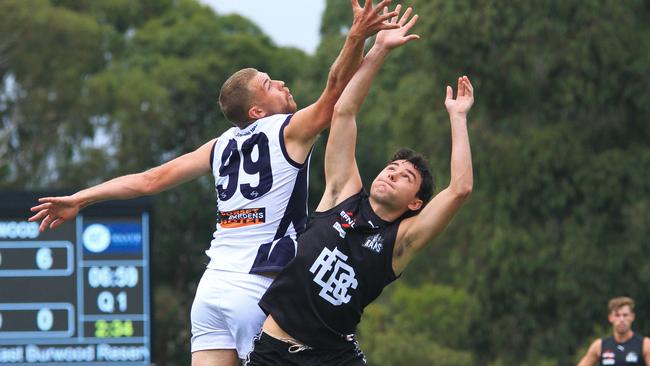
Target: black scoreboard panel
(76, 294)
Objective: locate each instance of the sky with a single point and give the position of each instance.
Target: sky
(288, 22)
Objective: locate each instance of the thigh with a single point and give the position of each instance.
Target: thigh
(220, 357)
(210, 329)
(241, 310)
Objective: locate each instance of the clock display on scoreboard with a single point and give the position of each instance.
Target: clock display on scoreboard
(78, 294)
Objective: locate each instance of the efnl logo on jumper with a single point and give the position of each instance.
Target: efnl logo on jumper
(347, 222)
(609, 358)
(334, 276)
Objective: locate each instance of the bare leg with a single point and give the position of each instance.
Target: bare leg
(215, 357)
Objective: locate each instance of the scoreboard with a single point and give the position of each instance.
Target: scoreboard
(78, 294)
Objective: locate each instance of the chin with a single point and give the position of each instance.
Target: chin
(381, 195)
(290, 109)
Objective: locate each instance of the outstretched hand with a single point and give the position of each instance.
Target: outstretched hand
(464, 98)
(369, 20)
(54, 211)
(391, 38)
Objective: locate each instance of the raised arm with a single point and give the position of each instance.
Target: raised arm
(415, 232)
(53, 211)
(307, 123)
(341, 173)
(592, 355)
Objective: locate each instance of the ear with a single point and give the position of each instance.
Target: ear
(415, 204)
(256, 113)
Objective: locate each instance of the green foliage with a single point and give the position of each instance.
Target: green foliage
(46, 53)
(426, 325)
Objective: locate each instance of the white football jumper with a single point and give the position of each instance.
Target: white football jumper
(261, 197)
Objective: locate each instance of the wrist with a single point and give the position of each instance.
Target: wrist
(384, 46)
(354, 35)
(79, 200)
(458, 116)
(378, 51)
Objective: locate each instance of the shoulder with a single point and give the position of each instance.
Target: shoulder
(403, 229)
(273, 121)
(596, 347)
(227, 133)
(645, 348)
(350, 203)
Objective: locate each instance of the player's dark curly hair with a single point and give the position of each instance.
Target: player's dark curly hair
(422, 165)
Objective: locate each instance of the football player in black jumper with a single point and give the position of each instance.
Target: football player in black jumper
(357, 243)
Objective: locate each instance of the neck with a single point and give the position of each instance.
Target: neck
(623, 337)
(384, 212)
(246, 124)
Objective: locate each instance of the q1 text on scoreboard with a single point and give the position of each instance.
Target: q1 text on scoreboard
(76, 294)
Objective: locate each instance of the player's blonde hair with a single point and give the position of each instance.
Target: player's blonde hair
(236, 98)
(618, 302)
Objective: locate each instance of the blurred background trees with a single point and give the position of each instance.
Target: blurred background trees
(558, 223)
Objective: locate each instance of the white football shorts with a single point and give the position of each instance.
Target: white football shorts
(225, 313)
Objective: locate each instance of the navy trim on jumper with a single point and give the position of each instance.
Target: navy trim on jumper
(212, 154)
(284, 148)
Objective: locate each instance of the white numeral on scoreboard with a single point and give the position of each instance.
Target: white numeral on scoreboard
(121, 301)
(106, 302)
(44, 319)
(44, 258)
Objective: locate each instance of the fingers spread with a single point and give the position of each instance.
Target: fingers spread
(412, 37)
(44, 224)
(398, 8)
(405, 16)
(56, 223)
(412, 22)
(469, 85)
(381, 5)
(38, 216)
(385, 26)
(40, 207)
(386, 17)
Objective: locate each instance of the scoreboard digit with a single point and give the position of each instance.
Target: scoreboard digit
(79, 294)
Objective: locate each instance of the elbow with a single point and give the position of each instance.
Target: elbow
(336, 84)
(333, 80)
(462, 190)
(342, 110)
(149, 183)
(465, 189)
(340, 73)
